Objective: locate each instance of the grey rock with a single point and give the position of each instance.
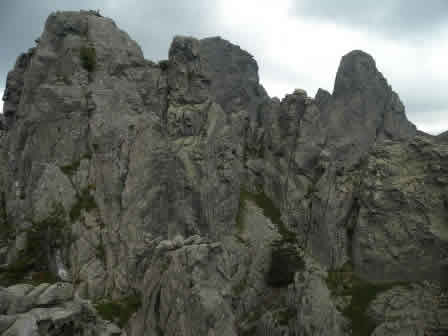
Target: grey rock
(6, 322)
(23, 326)
(20, 289)
(56, 293)
(404, 311)
(398, 215)
(184, 184)
(316, 312)
(50, 310)
(233, 75)
(183, 285)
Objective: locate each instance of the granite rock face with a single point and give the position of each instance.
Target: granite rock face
(49, 310)
(183, 200)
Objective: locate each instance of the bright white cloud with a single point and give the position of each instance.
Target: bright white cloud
(435, 127)
(299, 52)
(297, 43)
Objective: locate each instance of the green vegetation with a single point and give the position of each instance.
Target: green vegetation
(284, 315)
(164, 64)
(22, 272)
(281, 316)
(50, 230)
(266, 205)
(242, 207)
(101, 252)
(270, 211)
(88, 58)
(119, 311)
(72, 168)
(15, 273)
(6, 229)
(343, 282)
(85, 201)
(239, 288)
(255, 152)
(286, 259)
(29, 267)
(250, 319)
(41, 277)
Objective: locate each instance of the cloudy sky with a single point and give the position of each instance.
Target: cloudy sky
(297, 43)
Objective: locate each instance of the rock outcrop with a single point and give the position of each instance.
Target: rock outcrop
(49, 310)
(181, 199)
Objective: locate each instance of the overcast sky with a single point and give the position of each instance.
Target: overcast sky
(297, 44)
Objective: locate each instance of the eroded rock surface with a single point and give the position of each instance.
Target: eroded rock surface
(49, 310)
(182, 200)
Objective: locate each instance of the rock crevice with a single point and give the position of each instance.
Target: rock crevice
(182, 200)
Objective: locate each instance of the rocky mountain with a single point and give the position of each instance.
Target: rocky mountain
(178, 198)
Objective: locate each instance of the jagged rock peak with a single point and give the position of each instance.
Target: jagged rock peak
(361, 91)
(357, 71)
(186, 46)
(183, 194)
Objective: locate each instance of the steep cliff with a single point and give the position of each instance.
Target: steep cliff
(180, 199)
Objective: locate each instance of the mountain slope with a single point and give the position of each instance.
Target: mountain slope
(181, 196)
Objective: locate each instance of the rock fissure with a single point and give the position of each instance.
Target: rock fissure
(226, 211)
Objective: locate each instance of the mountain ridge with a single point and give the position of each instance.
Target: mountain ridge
(180, 199)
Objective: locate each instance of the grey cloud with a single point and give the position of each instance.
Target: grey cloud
(22, 21)
(394, 18)
(154, 23)
(425, 109)
(151, 23)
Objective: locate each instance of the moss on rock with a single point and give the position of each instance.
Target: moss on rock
(344, 282)
(283, 316)
(262, 201)
(285, 256)
(6, 229)
(72, 168)
(30, 266)
(88, 58)
(119, 311)
(85, 201)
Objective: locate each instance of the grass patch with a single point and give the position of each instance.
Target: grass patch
(38, 278)
(70, 169)
(254, 152)
(22, 271)
(239, 287)
(250, 320)
(85, 201)
(242, 208)
(284, 315)
(343, 282)
(6, 229)
(73, 167)
(31, 266)
(15, 273)
(101, 252)
(286, 260)
(47, 233)
(119, 311)
(164, 64)
(88, 58)
(281, 316)
(269, 210)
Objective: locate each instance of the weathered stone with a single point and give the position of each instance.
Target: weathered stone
(184, 184)
(56, 293)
